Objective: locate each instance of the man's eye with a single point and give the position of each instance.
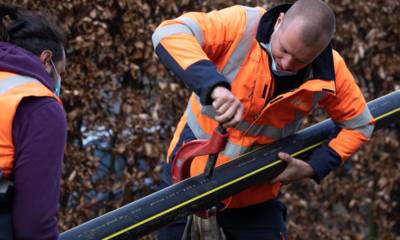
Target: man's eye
(300, 61)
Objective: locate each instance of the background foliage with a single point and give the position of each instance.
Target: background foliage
(122, 109)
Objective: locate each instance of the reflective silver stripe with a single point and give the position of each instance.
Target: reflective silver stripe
(164, 31)
(194, 125)
(241, 51)
(360, 123)
(366, 130)
(207, 110)
(194, 28)
(15, 81)
(361, 120)
(188, 26)
(231, 150)
(260, 130)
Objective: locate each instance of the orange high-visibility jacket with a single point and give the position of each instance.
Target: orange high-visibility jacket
(222, 48)
(13, 88)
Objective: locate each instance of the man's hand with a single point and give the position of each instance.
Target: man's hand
(296, 170)
(229, 108)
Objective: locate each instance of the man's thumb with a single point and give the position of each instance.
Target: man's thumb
(284, 156)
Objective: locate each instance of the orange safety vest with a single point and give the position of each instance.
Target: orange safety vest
(228, 39)
(13, 88)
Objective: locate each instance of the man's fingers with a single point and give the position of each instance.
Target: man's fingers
(275, 180)
(231, 123)
(223, 108)
(236, 119)
(281, 178)
(228, 115)
(239, 113)
(228, 107)
(217, 103)
(284, 156)
(295, 170)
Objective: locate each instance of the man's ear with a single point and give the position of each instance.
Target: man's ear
(279, 21)
(45, 58)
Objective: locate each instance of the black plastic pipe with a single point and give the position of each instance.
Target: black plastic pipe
(160, 208)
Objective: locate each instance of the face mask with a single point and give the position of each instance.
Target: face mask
(57, 83)
(279, 73)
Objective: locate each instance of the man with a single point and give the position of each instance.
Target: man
(32, 124)
(259, 73)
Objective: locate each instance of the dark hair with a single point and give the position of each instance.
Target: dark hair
(32, 30)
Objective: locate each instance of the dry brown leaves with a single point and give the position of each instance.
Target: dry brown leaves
(116, 89)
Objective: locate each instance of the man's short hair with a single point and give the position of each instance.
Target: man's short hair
(316, 19)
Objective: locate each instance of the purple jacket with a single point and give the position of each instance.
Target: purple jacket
(39, 135)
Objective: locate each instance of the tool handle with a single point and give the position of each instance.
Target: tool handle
(221, 129)
(212, 158)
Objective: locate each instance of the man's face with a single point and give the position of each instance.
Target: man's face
(289, 52)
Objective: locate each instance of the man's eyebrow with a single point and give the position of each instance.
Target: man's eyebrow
(286, 51)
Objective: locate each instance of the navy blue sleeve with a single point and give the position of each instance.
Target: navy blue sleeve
(323, 160)
(39, 133)
(201, 77)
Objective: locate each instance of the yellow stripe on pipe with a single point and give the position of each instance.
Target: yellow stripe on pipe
(208, 193)
(387, 114)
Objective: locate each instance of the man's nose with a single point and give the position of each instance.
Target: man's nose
(288, 64)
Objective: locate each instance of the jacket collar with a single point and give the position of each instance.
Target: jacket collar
(321, 68)
(20, 61)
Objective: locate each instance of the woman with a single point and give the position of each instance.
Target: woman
(32, 123)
